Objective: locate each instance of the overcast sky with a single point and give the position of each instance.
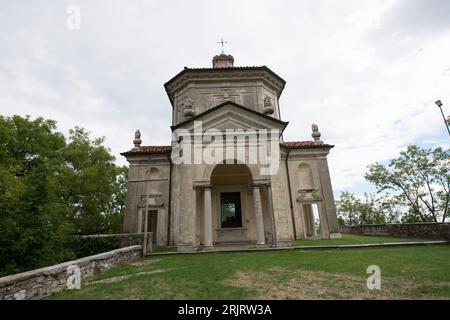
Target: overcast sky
(368, 72)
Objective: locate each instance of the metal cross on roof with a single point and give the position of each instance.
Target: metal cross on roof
(221, 42)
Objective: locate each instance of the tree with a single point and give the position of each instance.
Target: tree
(50, 188)
(367, 210)
(418, 180)
(89, 180)
(30, 215)
(116, 207)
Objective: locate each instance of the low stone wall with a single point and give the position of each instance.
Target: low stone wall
(42, 282)
(125, 239)
(432, 230)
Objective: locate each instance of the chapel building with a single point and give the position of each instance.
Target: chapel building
(203, 192)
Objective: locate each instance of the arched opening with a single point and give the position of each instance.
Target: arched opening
(230, 184)
(233, 207)
(231, 174)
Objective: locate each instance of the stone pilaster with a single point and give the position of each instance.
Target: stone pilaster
(328, 204)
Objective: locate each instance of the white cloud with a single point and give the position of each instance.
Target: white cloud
(366, 72)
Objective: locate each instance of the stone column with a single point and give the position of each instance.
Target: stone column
(260, 239)
(272, 215)
(312, 220)
(207, 217)
(139, 222)
(194, 219)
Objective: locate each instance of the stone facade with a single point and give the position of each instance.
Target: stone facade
(39, 283)
(185, 200)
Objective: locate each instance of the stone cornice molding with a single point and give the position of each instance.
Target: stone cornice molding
(187, 76)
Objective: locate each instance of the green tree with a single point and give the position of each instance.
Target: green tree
(347, 207)
(418, 180)
(367, 210)
(88, 181)
(50, 188)
(116, 207)
(30, 214)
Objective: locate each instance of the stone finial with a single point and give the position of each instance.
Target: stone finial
(316, 134)
(137, 139)
(189, 111)
(223, 61)
(268, 106)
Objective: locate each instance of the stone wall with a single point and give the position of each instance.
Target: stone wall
(124, 239)
(39, 283)
(432, 230)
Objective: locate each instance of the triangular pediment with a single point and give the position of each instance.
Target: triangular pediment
(232, 116)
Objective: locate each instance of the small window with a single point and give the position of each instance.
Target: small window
(230, 210)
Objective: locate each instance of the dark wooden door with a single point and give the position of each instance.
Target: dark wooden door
(152, 223)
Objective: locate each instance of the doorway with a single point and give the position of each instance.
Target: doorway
(152, 225)
(230, 210)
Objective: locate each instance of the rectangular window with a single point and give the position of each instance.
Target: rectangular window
(230, 210)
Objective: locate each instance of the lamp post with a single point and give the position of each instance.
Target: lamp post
(439, 104)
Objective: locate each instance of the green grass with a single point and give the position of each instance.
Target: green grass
(164, 249)
(407, 272)
(354, 239)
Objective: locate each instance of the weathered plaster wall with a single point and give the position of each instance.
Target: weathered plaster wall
(148, 175)
(308, 170)
(205, 96)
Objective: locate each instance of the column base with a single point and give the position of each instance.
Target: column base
(186, 248)
(208, 248)
(283, 243)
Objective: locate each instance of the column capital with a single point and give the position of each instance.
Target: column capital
(260, 183)
(202, 184)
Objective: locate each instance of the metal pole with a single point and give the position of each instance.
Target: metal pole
(439, 104)
(144, 247)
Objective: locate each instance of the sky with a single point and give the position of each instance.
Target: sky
(367, 72)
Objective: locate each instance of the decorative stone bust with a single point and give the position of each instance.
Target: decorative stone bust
(137, 139)
(189, 111)
(268, 107)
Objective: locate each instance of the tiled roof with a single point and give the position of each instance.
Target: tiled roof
(304, 145)
(242, 68)
(148, 150)
(168, 149)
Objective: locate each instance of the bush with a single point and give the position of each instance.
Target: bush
(87, 246)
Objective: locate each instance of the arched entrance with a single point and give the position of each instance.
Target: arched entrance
(231, 204)
(235, 208)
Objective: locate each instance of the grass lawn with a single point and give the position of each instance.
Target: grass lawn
(406, 272)
(354, 239)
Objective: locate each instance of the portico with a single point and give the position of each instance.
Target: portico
(233, 210)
